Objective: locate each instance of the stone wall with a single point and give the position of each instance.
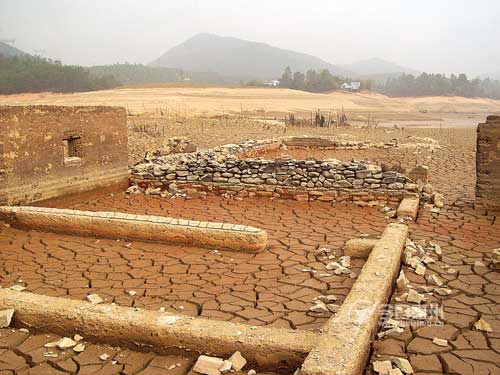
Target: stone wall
(488, 163)
(223, 171)
(49, 151)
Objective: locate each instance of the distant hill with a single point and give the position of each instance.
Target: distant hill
(9, 51)
(378, 67)
(239, 58)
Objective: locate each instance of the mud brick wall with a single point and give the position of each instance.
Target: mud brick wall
(488, 163)
(49, 151)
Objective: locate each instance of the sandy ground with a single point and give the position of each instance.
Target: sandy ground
(269, 102)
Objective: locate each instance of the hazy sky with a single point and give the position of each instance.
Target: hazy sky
(430, 35)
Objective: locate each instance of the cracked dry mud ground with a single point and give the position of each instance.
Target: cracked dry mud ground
(24, 353)
(273, 288)
(466, 236)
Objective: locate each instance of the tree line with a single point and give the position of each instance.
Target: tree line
(35, 74)
(424, 84)
(315, 81)
(439, 85)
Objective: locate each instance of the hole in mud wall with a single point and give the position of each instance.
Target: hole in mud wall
(72, 149)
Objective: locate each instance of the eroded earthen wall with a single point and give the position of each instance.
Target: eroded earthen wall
(488, 163)
(34, 159)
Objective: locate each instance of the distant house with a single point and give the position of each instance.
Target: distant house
(272, 83)
(353, 86)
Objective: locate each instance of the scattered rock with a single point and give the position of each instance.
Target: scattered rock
(403, 364)
(252, 372)
(415, 312)
(420, 270)
(414, 297)
(208, 365)
(332, 266)
(345, 261)
(434, 279)
(402, 281)
(6, 317)
(330, 298)
(495, 259)
(482, 325)
(440, 342)
(65, 343)
(382, 367)
(78, 348)
(94, 299)
(319, 307)
(437, 248)
(237, 361)
(77, 337)
(104, 357)
(226, 367)
(133, 189)
(438, 200)
(396, 331)
(443, 291)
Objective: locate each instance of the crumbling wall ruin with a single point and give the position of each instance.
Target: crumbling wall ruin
(49, 151)
(488, 163)
(224, 171)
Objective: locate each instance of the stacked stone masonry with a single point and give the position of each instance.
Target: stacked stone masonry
(228, 170)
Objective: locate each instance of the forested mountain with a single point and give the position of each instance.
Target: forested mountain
(237, 57)
(34, 74)
(6, 50)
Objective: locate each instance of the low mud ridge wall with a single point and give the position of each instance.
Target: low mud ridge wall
(222, 172)
(488, 163)
(345, 343)
(141, 227)
(117, 325)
